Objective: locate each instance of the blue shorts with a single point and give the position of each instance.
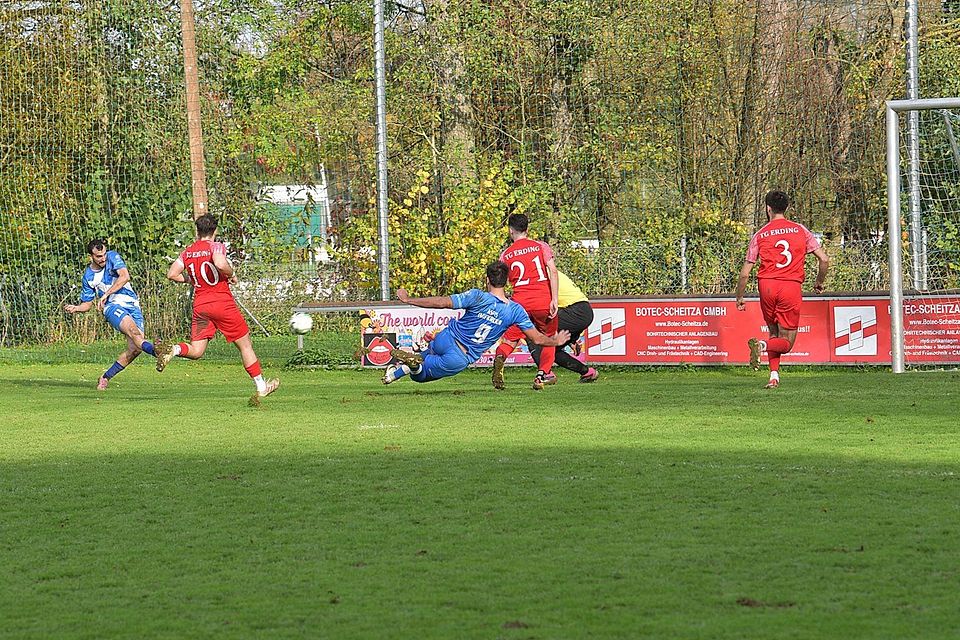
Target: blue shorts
(115, 313)
(443, 359)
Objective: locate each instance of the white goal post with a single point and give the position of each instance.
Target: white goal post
(894, 109)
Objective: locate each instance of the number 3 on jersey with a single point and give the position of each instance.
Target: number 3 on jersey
(541, 276)
(786, 254)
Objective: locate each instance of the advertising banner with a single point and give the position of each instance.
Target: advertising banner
(409, 328)
(712, 331)
(833, 330)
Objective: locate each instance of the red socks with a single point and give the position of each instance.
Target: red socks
(776, 347)
(504, 349)
(254, 369)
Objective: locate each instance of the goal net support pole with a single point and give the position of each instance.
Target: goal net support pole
(894, 109)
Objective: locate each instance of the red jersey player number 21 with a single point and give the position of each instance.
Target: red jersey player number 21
(533, 275)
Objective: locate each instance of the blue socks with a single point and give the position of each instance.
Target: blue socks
(114, 369)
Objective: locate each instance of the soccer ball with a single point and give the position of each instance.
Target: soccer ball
(301, 323)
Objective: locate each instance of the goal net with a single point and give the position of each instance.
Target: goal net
(923, 163)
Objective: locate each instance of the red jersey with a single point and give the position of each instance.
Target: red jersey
(528, 272)
(781, 246)
(209, 285)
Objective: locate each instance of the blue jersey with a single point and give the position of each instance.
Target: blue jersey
(485, 320)
(96, 283)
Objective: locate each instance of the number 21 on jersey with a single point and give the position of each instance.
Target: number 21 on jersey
(541, 276)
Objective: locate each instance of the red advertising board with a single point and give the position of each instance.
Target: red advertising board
(833, 330)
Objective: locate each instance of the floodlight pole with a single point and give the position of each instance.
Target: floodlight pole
(198, 172)
(382, 203)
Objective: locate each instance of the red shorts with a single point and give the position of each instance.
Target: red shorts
(780, 302)
(222, 316)
(546, 326)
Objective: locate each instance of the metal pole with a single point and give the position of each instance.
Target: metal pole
(913, 141)
(382, 206)
(198, 172)
(893, 239)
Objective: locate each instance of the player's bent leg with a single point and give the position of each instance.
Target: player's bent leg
(131, 327)
(412, 360)
(776, 347)
(508, 343)
(568, 362)
(436, 367)
(394, 372)
(756, 349)
(192, 351)
(499, 361)
(121, 363)
(252, 365)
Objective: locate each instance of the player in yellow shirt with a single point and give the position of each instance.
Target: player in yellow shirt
(575, 316)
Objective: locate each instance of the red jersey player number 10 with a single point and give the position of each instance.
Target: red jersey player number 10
(208, 283)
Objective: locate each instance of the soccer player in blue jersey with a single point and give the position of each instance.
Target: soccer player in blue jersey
(106, 284)
(487, 316)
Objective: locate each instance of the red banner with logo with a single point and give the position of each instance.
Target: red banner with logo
(712, 331)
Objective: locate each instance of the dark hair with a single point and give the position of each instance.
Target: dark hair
(206, 225)
(518, 222)
(777, 201)
(96, 243)
(497, 273)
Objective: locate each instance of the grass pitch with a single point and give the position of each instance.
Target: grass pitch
(669, 504)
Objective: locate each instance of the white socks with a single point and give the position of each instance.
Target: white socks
(775, 375)
(261, 383)
(176, 350)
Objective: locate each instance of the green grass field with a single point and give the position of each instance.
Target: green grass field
(665, 504)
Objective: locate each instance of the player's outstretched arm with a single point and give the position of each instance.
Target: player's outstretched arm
(562, 337)
(823, 266)
(742, 283)
(434, 302)
(175, 272)
(83, 307)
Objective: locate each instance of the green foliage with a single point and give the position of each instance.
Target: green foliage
(441, 248)
(636, 125)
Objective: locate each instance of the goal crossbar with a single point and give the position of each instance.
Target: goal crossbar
(893, 111)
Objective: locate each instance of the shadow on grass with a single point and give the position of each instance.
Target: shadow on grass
(557, 542)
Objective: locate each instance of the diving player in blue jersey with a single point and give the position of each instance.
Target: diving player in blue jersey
(487, 316)
(106, 283)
